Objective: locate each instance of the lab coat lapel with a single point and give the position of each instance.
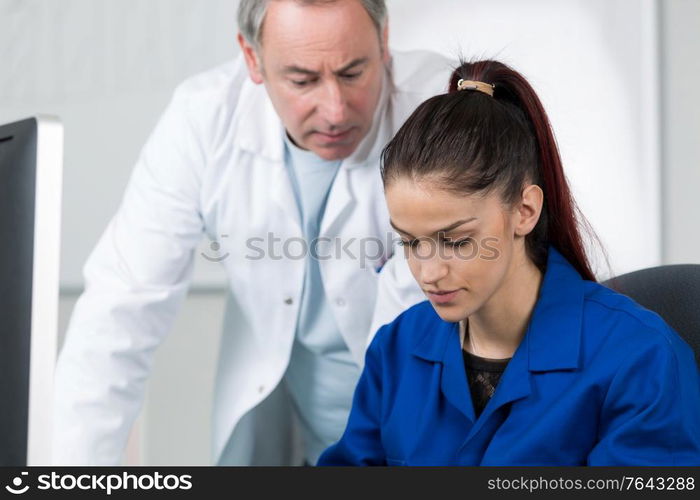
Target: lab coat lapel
(340, 203)
(282, 194)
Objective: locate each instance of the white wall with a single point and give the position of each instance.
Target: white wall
(107, 68)
(680, 81)
(594, 65)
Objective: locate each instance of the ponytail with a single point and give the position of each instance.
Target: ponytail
(504, 140)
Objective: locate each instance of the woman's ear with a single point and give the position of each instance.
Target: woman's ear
(528, 210)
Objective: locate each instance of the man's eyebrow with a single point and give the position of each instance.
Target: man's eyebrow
(351, 65)
(293, 68)
(447, 229)
(298, 69)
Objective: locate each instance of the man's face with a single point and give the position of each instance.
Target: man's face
(322, 66)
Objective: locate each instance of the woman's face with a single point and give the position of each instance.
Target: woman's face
(461, 249)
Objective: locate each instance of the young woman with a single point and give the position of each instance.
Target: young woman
(518, 357)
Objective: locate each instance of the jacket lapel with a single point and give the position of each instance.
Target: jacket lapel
(551, 342)
(514, 385)
(442, 345)
(454, 384)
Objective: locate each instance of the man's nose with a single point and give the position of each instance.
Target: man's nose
(333, 103)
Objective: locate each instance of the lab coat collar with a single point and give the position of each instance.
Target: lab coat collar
(261, 132)
(552, 340)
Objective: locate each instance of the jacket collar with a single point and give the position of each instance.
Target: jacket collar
(554, 333)
(552, 340)
(260, 130)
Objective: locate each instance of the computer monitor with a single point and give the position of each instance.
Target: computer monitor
(31, 164)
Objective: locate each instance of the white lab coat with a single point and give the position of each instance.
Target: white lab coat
(215, 164)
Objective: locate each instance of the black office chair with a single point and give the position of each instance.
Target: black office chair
(673, 292)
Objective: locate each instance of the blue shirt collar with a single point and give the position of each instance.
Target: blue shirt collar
(552, 340)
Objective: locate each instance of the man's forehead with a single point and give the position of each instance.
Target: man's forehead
(326, 25)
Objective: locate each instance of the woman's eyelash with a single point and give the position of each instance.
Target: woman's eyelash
(458, 243)
(445, 241)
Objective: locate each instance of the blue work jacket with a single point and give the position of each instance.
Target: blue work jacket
(596, 380)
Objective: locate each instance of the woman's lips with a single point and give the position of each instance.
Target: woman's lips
(442, 297)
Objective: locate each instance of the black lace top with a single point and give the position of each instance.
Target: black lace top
(483, 375)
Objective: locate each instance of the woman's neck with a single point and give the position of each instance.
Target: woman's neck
(496, 330)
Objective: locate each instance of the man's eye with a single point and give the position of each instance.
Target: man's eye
(303, 83)
(351, 76)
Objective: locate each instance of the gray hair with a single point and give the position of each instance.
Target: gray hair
(252, 12)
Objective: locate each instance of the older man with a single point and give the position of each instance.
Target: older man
(275, 157)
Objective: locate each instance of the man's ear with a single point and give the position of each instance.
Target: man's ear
(251, 59)
(385, 42)
(529, 209)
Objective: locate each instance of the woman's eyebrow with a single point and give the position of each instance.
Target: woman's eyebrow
(447, 229)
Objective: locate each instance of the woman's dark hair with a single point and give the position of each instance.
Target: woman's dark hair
(470, 142)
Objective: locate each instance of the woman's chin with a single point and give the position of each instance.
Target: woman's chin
(452, 313)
